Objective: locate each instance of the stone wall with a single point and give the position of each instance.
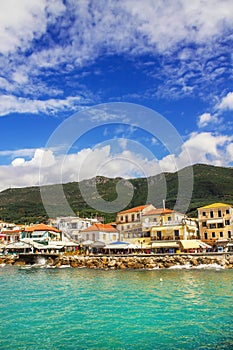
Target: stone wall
(131, 262)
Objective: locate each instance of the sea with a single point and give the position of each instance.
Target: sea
(78, 308)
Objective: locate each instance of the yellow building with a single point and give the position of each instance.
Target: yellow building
(169, 225)
(216, 223)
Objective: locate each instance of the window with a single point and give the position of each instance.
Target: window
(212, 225)
(104, 237)
(132, 217)
(176, 232)
(204, 224)
(227, 211)
(229, 234)
(126, 218)
(219, 213)
(87, 236)
(159, 234)
(211, 214)
(203, 213)
(213, 234)
(93, 237)
(169, 218)
(227, 222)
(220, 234)
(122, 219)
(220, 225)
(205, 235)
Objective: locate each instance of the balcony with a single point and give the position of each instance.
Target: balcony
(157, 224)
(166, 238)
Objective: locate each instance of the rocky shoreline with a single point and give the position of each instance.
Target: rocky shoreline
(125, 262)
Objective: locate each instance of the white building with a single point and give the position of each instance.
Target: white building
(105, 233)
(71, 226)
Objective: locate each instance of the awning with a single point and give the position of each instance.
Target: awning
(166, 228)
(87, 243)
(190, 244)
(117, 245)
(18, 245)
(98, 244)
(204, 245)
(165, 245)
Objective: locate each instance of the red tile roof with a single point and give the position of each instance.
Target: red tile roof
(135, 209)
(159, 211)
(41, 227)
(100, 227)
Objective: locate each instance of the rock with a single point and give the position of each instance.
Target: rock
(19, 263)
(112, 263)
(74, 264)
(168, 264)
(150, 266)
(194, 262)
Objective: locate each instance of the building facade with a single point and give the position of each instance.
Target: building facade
(105, 233)
(216, 223)
(129, 224)
(167, 224)
(71, 226)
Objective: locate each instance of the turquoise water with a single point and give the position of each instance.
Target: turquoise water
(95, 309)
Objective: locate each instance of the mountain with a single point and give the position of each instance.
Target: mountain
(210, 184)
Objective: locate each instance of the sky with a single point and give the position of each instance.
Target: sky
(104, 87)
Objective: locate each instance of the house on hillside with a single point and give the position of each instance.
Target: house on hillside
(216, 224)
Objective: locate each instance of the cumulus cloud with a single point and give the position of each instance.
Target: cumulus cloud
(206, 119)
(45, 167)
(23, 21)
(226, 102)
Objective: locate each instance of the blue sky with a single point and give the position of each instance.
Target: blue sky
(60, 58)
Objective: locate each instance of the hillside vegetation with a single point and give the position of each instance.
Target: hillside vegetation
(211, 184)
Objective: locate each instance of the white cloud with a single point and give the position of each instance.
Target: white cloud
(25, 20)
(207, 148)
(227, 102)
(11, 104)
(45, 167)
(229, 152)
(206, 119)
(132, 26)
(18, 162)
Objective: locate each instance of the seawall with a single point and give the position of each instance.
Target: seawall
(223, 260)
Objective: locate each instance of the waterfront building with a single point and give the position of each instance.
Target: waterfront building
(42, 233)
(216, 223)
(9, 232)
(129, 224)
(169, 229)
(71, 226)
(98, 232)
(167, 224)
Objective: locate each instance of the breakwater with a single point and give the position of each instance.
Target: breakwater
(224, 260)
